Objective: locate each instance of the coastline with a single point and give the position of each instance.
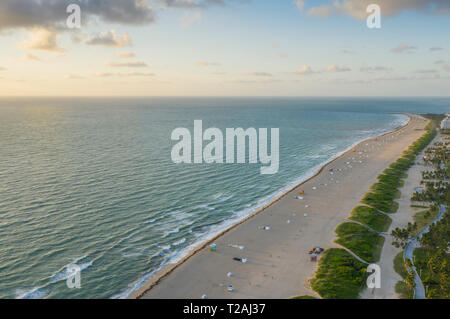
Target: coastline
(151, 280)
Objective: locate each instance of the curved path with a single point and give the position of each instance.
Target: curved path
(419, 290)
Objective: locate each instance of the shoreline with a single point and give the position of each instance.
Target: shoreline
(157, 275)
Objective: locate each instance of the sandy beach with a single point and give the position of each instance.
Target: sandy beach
(277, 239)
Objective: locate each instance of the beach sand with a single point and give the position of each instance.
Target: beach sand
(278, 264)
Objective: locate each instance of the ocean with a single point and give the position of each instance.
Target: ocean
(91, 181)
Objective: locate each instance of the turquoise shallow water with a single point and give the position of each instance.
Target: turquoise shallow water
(91, 181)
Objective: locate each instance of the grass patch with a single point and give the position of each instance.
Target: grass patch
(360, 240)
(304, 297)
(381, 202)
(419, 206)
(423, 218)
(404, 290)
(399, 265)
(371, 217)
(340, 275)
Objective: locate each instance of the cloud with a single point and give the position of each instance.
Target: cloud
(439, 62)
(132, 74)
(299, 4)
(205, 63)
(52, 14)
(425, 71)
(357, 8)
(447, 67)
(74, 77)
(434, 49)
(2, 68)
(321, 12)
(368, 69)
(31, 57)
(110, 39)
(42, 39)
(304, 70)
(191, 4)
(263, 74)
(190, 18)
(336, 69)
(127, 65)
(404, 48)
(345, 51)
(125, 55)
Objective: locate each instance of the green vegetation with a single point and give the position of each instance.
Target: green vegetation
(371, 217)
(304, 297)
(405, 287)
(433, 266)
(404, 290)
(403, 235)
(381, 202)
(418, 206)
(432, 260)
(399, 265)
(425, 217)
(360, 240)
(340, 275)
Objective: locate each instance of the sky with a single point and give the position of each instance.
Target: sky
(224, 48)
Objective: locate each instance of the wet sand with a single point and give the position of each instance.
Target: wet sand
(278, 264)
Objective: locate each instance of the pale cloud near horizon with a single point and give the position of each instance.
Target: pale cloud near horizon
(206, 63)
(404, 48)
(31, 57)
(337, 69)
(131, 74)
(74, 77)
(125, 55)
(110, 39)
(304, 70)
(261, 74)
(425, 71)
(345, 51)
(127, 64)
(368, 69)
(42, 39)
